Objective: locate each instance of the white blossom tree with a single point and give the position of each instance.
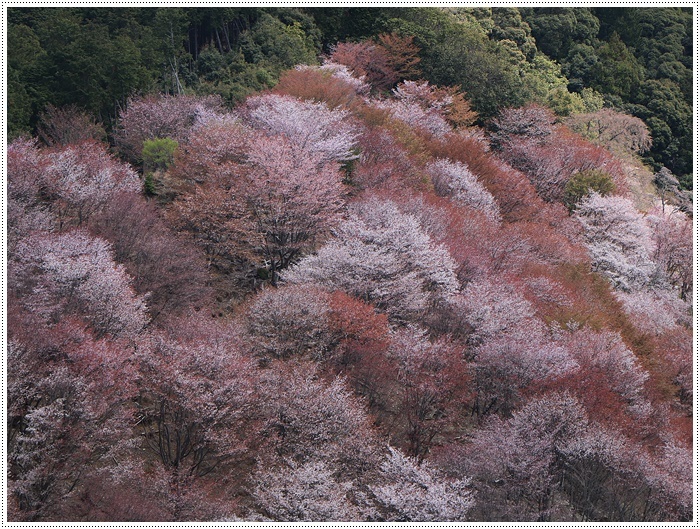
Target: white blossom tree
(618, 240)
(306, 492)
(413, 493)
(75, 273)
(454, 180)
(382, 256)
(308, 125)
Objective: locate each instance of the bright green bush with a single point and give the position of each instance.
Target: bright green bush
(158, 153)
(584, 183)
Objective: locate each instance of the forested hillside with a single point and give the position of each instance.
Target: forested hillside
(573, 60)
(343, 264)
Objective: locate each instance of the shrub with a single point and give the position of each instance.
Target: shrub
(158, 153)
(584, 183)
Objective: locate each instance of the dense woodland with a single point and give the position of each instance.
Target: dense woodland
(572, 60)
(349, 264)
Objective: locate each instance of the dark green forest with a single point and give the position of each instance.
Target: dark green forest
(638, 61)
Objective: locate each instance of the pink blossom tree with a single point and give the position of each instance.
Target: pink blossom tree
(169, 270)
(160, 116)
(430, 381)
(75, 274)
(408, 492)
(415, 116)
(454, 180)
(382, 256)
(506, 365)
(656, 310)
(264, 210)
(291, 199)
(549, 154)
(288, 321)
(492, 310)
(68, 413)
(673, 249)
(308, 492)
(309, 126)
(77, 180)
(612, 129)
(517, 462)
(605, 354)
(618, 240)
(196, 401)
(308, 419)
(214, 149)
(68, 125)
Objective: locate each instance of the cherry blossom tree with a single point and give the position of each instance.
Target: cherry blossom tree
(160, 116)
(26, 211)
(533, 122)
(618, 240)
(615, 130)
(75, 274)
(288, 321)
(672, 482)
(382, 256)
(655, 310)
(307, 419)
(197, 399)
(416, 116)
(361, 338)
(673, 251)
(68, 125)
(549, 154)
(446, 101)
(306, 492)
(263, 211)
(165, 267)
(213, 217)
(491, 310)
(68, 413)
(80, 179)
(25, 170)
(608, 366)
(381, 161)
(291, 198)
(517, 462)
(383, 63)
(367, 60)
(309, 126)
(677, 348)
(411, 493)
(214, 149)
(331, 83)
(505, 366)
(454, 180)
(430, 381)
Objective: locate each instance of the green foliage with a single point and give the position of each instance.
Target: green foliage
(567, 58)
(158, 153)
(277, 44)
(460, 53)
(623, 54)
(338, 24)
(584, 183)
(670, 119)
(97, 58)
(149, 185)
(556, 29)
(508, 24)
(617, 71)
(490, 54)
(592, 100)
